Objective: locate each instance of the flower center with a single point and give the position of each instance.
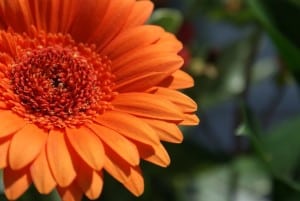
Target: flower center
(60, 87)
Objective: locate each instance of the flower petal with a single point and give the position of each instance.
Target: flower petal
(129, 126)
(147, 105)
(15, 182)
(10, 123)
(59, 159)
(87, 145)
(89, 180)
(166, 131)
(140, 13)
(51, 16)
(185, 103)
(145, 61)
(178, 80)
(170, 43)
(138, 37)
(55, 16)
(116, 166)
(95, 188)
(4, 146)
(140, 82)
(112, 23)
(66, 15)
(41, 174)
(29, 135)
(155, 154)
(15, 14)
(117, 143)
(70, 193)
(89, 14)
(190, 120)
(135, 182)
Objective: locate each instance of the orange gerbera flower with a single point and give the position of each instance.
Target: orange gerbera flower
(86, 87)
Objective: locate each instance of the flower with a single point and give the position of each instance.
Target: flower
(86, 87)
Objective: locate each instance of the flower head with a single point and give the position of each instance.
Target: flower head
(86, 87)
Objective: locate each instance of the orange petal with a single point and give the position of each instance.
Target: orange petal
(89, 15)
(57, 16)
(190, 120)
(59, 158)
(140, 82)
(178, 80)
(112, 23)
(50, 16)
(129, 126)
(135, 182)
(4, 146)
(147, 105)
(87, 145)
(139, 14)
(70, 193)
(155, 154)
(67, 14)
(39, 12)
(16, 14)
(166, 131)
(10, 123)
(185, 103)
(117, 143)
(41, 174)
(89, 180)
(148, 60)
(138, 37)
(15, 182)
(143, 54)
(116, 166)
(25, 146)
(95, 188)
(170, 42)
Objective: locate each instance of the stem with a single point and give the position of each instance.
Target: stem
(256, 39)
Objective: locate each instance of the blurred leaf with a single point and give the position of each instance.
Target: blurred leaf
(283, 14)
(242, 179)
(295, 2)
(289, 52)
(280, 149)
(241, 17)
(254, 182)
(169, 19)
(283, 146)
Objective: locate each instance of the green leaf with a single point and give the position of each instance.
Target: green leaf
(283, 14)
(283, 146)
(289, 52)
(295, 2)
(170, 19)
(280, 149)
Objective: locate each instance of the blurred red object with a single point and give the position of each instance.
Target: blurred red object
(186, 55)
(187, 32)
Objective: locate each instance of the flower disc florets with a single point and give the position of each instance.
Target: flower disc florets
(61, 85)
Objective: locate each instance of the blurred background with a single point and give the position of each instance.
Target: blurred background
(245, 58)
